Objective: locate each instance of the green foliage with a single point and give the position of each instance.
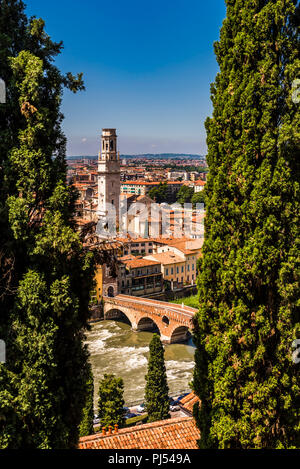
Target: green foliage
(111, 401)
(157, 391)
(183, 167)
(249, 275)
(198, 198)
(45, 274)
(159, 193)
(192, 301)
(134, 420)
(86, 426)
(184, 195)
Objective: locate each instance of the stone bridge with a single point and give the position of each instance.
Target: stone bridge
(173, 321)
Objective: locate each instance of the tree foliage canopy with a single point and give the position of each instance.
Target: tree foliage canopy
(157, 391)
(111, 402)
(86, 426)
(184, 195)
(45, 274)
(249, 278)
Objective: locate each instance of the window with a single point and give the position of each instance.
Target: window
(193, 266)
(182, 269)
(188, 267)
(167, 271)
(172, 270)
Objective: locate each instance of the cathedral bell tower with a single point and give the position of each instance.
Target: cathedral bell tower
(108, 176)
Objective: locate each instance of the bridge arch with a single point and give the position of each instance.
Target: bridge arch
(116, 314)
(179, 334)
(172, 321)
(147, 324)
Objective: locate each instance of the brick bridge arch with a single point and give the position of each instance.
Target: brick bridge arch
(172, 320)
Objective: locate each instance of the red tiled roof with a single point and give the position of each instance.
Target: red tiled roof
(166, 258)
(136, 262)
(179, 433)
(188, 402)
(139, 183)
(147, 183)
(187, 247)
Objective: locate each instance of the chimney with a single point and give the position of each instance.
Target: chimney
(109, 430)
(116, 428)
(103, 430)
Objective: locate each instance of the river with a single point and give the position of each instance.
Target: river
(115, 348)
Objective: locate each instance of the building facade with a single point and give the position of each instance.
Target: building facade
(139, 277)
(189, 251)
(173, 268)
(143, 187)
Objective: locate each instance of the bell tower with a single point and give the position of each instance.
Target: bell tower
(108, 175)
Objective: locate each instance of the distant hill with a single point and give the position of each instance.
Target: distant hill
(152, 156)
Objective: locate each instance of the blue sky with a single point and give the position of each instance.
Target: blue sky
(147, 69)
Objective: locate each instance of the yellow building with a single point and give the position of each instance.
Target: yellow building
(172, 266)
(99, 282)
(189, 250)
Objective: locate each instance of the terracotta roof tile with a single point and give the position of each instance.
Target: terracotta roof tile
(187, 403)
(136, 263)
(180, 433)
(187, 247)
(166, 258)
(149, 183)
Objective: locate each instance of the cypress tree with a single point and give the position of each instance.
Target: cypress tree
(111, 402)
(248, 283)
(46, 275)
(86, 426)
(157, 391)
